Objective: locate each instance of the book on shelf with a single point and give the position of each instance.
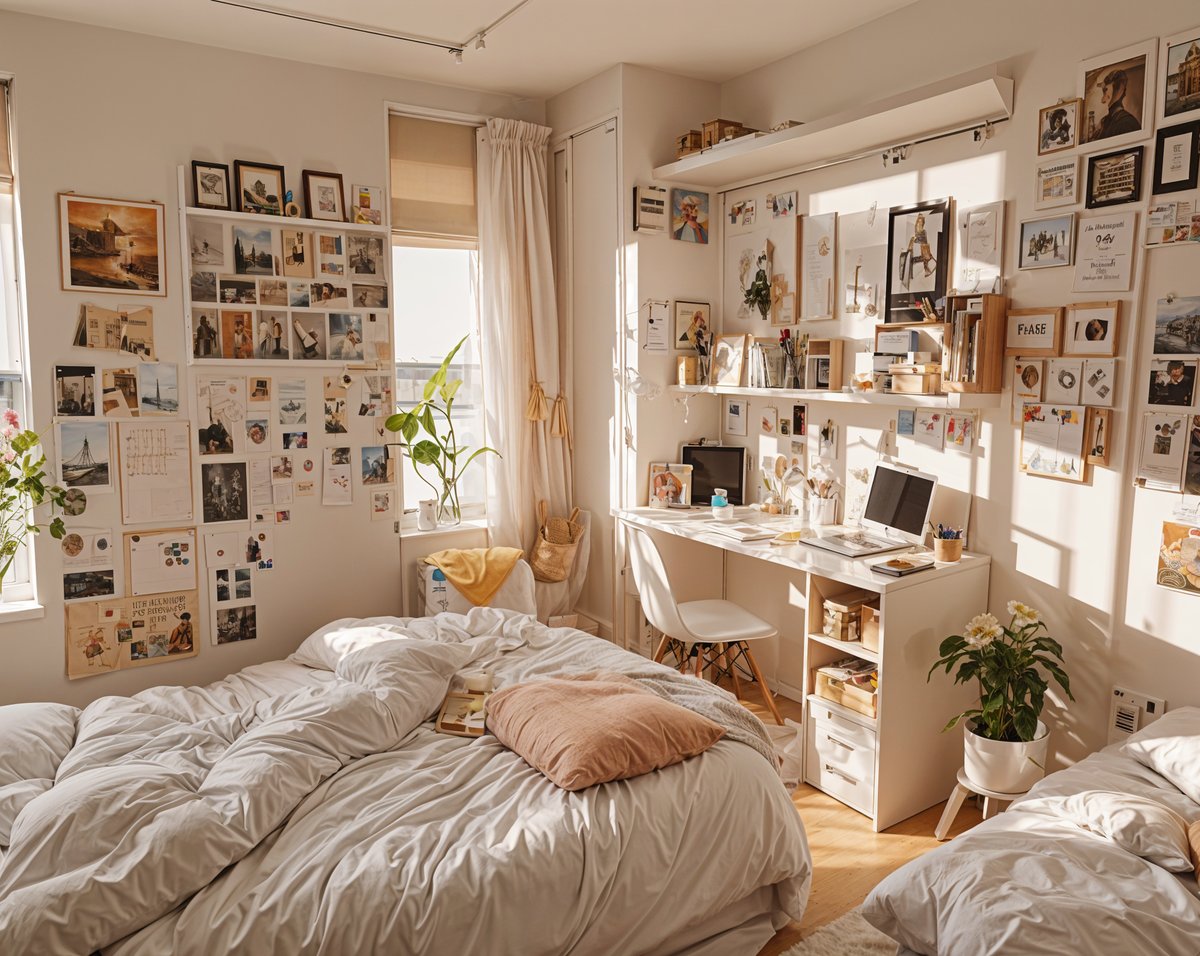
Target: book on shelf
(743, 531)
(463, 714)
(902, 564)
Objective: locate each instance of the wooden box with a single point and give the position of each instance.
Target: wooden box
(688, 143)
(687, 370)
(868, 628)
(925, 383)
(830, 351)
(860, 698)
(715, 130)
(842, 615)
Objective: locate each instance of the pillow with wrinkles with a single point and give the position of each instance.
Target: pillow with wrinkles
(1171, 748)
(1135, 824)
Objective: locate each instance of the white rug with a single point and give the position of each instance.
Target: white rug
(789, 747)
(849, 936)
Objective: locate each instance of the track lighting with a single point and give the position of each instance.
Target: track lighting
(457, 54)
(479, 43)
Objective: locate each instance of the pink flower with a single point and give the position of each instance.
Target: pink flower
(11, 417)
(7, 432)
(10, 456)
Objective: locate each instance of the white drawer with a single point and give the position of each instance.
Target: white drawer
(845, 727)
(841, 764)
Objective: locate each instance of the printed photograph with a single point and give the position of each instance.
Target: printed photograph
(223, 489)
(273, 292)
(281, 467)
(239, 291)
(84, 585)
(1191, 475)
(308, 336)
(210, 185)
(259, 388)
(295, 440)
(259, 187)
(111, 244)
(258, 433)
(1180, 75)
(206, 334)
(236, 624)
(331, 255)
(365, 254)
(1177, 326)
(204, 286)
(297, 253)
(1058, 127)
(1179, 557)
(328, 295)
(222, 592)
(119, 397)
(369, 296)
(345, 336)
(237, 337)
(382, 504)
(242, 588)
(1114, 89)
(1172, 383)
(298, 295)
(293, 404)
(335, 416)
(75, 391)
(323, 197)
(1046, 243)
(781, 204)
(84, 455)
(689, 216)
(158, 383)
(377, 467)
(207, 240)
(252, 251)
(270, 344)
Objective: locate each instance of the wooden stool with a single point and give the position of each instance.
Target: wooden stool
(964, 788)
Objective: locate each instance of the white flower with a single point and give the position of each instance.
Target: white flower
(981, 630)
(1023, 615)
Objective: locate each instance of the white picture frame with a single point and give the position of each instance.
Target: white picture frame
(1046, 242)
(818, 264)
(1172, 50)
(1063, 381)
(1056, 183)
(979, 248)
(1092, 328)
(1104, 261)
(1132, 119)
(1163, 450)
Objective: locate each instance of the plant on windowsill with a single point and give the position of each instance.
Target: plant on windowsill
(439, 451)
(22, 489)
(1005, 743)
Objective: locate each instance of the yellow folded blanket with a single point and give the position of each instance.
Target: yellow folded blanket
(476, 572)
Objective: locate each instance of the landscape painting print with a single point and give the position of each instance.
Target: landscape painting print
(1177, 326)
(111, 245)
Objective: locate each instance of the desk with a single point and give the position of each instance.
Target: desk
(897, 763)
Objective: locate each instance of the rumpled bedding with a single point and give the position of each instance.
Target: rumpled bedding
(294, 809)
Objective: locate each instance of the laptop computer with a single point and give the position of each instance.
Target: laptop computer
(897, 510)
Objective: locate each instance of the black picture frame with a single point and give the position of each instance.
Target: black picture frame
(1161, 148)
(904, 303)
(1123, 169)
(262, 208)
(201, 197)
(312, 209)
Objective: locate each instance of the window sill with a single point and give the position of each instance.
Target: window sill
(13, 611)
(467, 524)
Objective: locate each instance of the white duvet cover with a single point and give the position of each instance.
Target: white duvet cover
(1031, 881)
(298, 810)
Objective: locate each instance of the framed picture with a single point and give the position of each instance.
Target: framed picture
(736, 410)
(1179, 77)
(1177, 325)
(818, 255)
(111, 245)
(1172, 382)
(1162, 457)
(1093, 328)
(324, 196)
(979, 253)
(1105, 260)
(1099, 382)
(367, 203)
(1053, 440)
(799, 420)
(259, 187)
(1117, 90)
(1058, 126)
(1063, 381)
(1033, 332)
(689, 216)
(210, 185)
(1047, 243)
(1028, 375)
(1177, 157)
(1099, 430)
(670, 485)
(1114, 178)
(690, 318)
(1057, 183)
(728, 354)
(918, 256)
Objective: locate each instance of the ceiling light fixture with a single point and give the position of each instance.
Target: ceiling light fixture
(453, 47)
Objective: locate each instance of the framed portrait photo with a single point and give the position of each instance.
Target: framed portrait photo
(1033, 332)
(1179, 77)
(1046, 243)
(1058, 126)
(1057, 183)
(260, 187)
(1114, 178)
(690, 318)
(210, 185)
(689, 216)
(324, 197)
(1177, 157)
(1093, 328)
(111, 245)
(1117, 93)
(918, 257)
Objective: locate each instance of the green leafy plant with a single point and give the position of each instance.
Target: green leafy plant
(758, 294)
(438, 451)
(1008, 662)
(23, 488)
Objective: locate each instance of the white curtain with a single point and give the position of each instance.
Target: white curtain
(524, 392)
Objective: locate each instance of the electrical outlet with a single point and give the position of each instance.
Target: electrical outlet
(1130, 712)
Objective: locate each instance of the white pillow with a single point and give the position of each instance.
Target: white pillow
(325, 647)
(1135, 824)
(1171, 748)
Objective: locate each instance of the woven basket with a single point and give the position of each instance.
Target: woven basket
(554, 552)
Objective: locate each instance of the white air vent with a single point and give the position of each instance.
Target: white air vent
(1125, 719)
(1130, 712)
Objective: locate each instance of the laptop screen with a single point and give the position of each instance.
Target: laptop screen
(900, 500)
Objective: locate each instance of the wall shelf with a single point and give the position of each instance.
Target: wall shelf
(287, 222)
(953, 400)
(954, 104)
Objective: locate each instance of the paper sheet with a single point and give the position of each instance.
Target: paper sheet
(155, 472)
(161, 561)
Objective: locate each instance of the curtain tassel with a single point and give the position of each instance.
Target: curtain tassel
(560, 426)
(538, 409)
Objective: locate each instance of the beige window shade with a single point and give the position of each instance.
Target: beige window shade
(433, 178)
(6, 173)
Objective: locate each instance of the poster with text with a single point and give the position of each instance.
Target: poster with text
(103, 636)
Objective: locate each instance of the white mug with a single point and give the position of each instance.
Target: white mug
(427, 514)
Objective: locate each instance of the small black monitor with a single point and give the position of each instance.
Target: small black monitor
(716, 466)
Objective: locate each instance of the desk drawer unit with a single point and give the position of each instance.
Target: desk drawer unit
(840, 759)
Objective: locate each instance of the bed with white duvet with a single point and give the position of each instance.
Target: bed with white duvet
(307, 806)
(1094, 859)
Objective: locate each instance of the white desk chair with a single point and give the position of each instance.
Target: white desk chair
(717, 632)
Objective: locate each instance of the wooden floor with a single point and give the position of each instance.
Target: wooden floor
(849, 858)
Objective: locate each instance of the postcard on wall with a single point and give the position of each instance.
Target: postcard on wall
(906, 422)
(158, 561)
(376, 396)
(736, 411)
(87, 549)
(158, 388)
(1062, 382)
(1191, 474)
(223, 490)
(119, 393)
(220, 410)
(1099, 382)
(1052, 441)
(1028, 377)
(75, 391)
(155, 471)
(88, 585)
(1179, 558)
(979, 257)
(83, 456)
(1172, 382)
(1177, 326)
(960, 431)
(819, 258)
(154, 628)
(338, 484)
(1164, 446)
(261, 495)
(929, 428)
(1057, 183)
(1104, 253)
(223, 548)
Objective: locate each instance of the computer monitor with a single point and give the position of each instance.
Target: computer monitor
(716, 466)
(899, 501)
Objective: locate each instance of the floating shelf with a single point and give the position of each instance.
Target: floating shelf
(955, 400)
(292, 222)
(954, 104)
(853, 648)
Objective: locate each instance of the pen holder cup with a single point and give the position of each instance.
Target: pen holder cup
(822, 511)
(947, 550)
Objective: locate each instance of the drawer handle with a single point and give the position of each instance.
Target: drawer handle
(845, 776)
(840, 743)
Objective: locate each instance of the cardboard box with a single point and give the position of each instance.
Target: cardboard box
(896, 341)
(715, 130)
(868, 628)
(860, 698)
(688, 143)
(923, 384)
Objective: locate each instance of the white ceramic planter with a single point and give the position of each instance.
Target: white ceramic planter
(1004, 766)
(823, 511)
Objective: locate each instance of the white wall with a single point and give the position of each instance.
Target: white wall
(112, 114)
(1084, 554)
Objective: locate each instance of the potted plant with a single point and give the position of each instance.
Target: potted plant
(22, 488)
(439, 451)
(1004, 741)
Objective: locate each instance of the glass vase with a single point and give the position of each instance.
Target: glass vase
(449, 512)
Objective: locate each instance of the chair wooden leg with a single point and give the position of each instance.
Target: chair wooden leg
(662, 649)
(762, 684)
(700, 659)
(732, 667)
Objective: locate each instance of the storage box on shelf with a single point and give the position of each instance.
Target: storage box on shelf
(825, 353)
(973, 352)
